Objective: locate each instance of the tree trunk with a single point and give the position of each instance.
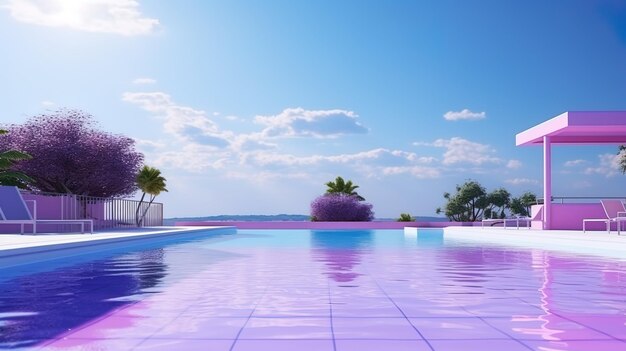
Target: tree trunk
(137, 219)
(143, 215)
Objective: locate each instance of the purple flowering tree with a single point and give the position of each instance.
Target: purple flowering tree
(340, 207)
(69, 155)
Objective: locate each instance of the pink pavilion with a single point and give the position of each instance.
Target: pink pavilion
(571, 128)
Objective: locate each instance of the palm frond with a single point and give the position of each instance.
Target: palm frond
(10, 177)
(14, 155)
(5, 163)
(150, 181)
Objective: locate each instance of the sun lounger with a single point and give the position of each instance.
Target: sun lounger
(615, 213)
(491, 221)
(13, 210)
(516, 220)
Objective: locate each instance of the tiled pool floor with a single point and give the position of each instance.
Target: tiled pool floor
(302, 290)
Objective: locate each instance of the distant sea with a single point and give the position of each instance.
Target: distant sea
(278, 217)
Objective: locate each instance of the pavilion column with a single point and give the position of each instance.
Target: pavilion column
(547, 182)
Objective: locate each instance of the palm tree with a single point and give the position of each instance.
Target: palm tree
(339, 186)
(150, 181)
(7, 160)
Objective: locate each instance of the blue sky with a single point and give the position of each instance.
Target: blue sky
(251, 106)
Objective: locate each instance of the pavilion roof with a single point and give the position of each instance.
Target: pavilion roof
(578, 127)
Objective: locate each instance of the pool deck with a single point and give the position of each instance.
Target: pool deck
(12, 245)
(597, 243)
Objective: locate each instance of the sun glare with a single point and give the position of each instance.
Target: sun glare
(102, 16)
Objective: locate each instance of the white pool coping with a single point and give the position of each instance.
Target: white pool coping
(597, 243)
(12, 245)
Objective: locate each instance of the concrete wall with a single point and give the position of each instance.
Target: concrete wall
(570, 216)
(536, 213)
(326, 225)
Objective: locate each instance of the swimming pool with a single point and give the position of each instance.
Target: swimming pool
(316, 290)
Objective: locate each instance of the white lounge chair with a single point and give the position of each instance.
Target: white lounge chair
(13, 210)
(492, 222)
(505, 221)
(517, 220)
(615, 213)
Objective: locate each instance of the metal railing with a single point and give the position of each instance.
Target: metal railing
(580, 199)
(106, 213)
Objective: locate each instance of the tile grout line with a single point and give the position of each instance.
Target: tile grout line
(402, 312)
(330, 307)
(248, 319)
(503, 332)
(163, 327)
(587, 326)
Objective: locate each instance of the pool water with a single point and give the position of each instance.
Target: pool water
(316, 290)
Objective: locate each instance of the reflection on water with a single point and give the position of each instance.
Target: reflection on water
(188, 292)
(535, 294)
(151, 269)
(340, 251)
(430, 238)
(44, 305)
(556, 310)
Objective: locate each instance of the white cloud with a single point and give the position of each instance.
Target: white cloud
(150, 144)
(198, 145)
(459, 150)
(514, 164)
(144, 81)
(609, 165)
(521, 181)
(464, 114)
(47, 103)
(192, 157)
(574, 163)
(371, 163)
(184, 122)
(416, 171)
(265, 176)
(380, 157)
(251, 142)
(121, 17)
(298, 122)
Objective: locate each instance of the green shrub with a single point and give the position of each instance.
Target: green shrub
(406, 217)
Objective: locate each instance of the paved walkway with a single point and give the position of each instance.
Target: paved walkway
(591, 243)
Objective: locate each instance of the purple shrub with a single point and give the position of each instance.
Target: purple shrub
(70, 156)
(340, 207)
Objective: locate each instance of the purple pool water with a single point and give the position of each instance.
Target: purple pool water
(316, 290)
